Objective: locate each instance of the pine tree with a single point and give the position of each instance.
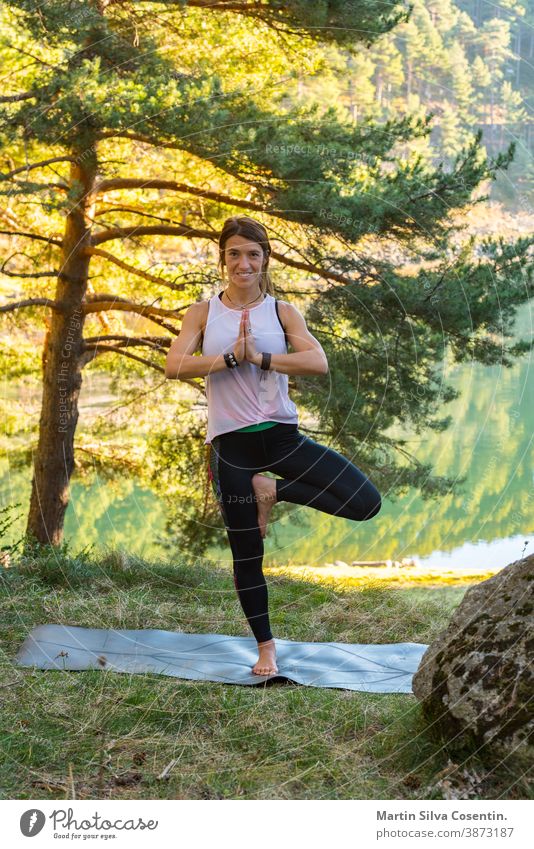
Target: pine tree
(513, 110)
(389, 75)
(494, 38)
(127, 121)
(462, 90)
(449, 127)
(412, 42)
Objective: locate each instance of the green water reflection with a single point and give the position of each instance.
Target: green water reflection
(490, 441)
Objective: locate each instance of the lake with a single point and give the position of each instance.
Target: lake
(484, 525)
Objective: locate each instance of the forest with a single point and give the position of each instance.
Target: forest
(131, 130)
(386, 147)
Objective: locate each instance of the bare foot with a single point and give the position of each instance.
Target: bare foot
(266, 664)
(265, 492)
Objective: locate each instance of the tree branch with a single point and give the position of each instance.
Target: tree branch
(33, 302)
(132, 400)
(51, 273)
(49, 241)
(103, 349)
(105, 210)
(152, 230)
(38, 186)
(176, 287)
(155, 342)
(312, 269)
(154, 142)
(35, 58)
(227, 5)
(97, 303)
(121, 134)
(139, 183)
(36, 165)
(100, 303)
(3, 270)
(12, 98)
(94, 350)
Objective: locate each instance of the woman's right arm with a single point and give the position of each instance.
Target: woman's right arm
(180, 363)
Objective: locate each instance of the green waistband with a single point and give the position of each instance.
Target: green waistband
(260, 426)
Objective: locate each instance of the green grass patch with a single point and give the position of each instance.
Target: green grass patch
(107, 735)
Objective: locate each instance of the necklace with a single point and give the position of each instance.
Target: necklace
(241, 306)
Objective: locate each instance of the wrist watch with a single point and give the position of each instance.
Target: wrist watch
(265, 361)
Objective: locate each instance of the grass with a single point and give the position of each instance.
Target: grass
(105, 735)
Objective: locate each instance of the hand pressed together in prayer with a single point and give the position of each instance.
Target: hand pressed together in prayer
(251, 353)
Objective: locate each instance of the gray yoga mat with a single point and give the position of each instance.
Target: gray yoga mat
(383, 668)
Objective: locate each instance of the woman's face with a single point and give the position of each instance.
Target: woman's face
(244, 261)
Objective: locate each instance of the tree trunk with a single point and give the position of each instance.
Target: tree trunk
(409, 78)
(351, 97)
(492, 119)
(379, 86)
(518, 55)
(54, 458)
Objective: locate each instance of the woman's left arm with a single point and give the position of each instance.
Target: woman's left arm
(309, 357)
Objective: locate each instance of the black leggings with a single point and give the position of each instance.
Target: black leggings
(311, 474)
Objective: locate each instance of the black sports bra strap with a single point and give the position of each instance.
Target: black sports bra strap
(280, 320)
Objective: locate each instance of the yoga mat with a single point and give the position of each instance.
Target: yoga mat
(382, 668)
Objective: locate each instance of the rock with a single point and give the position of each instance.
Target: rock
(477, 678)
(341, 563)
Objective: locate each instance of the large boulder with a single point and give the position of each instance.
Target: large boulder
(476, 679)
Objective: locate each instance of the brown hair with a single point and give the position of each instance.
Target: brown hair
(242, 225)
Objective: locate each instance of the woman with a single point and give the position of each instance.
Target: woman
(252, 423)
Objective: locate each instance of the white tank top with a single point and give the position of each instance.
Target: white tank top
(237, 397)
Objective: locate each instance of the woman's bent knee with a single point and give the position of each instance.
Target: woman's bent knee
(375, 509)
(368, 510)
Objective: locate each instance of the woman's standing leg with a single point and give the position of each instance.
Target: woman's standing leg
(233, 462)
(317, 476)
